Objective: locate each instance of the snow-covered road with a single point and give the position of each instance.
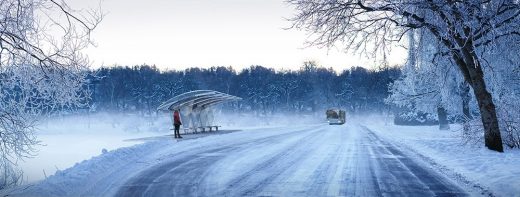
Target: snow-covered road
(315, 161)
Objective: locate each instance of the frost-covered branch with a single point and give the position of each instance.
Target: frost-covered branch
(464, 28)
(42, 70)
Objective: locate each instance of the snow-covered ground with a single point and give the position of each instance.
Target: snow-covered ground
(113, 167)
(296, 160)
(75, 144)
(66, 141)
(497, 172)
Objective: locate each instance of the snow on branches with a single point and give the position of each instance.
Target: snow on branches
(41, 70)
(464, 28)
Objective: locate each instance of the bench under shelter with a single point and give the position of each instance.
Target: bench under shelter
(197, 109)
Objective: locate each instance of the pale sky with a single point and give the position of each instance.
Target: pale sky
(177, 34)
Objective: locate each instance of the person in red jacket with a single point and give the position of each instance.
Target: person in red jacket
(177, 123)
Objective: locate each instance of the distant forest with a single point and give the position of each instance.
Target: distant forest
(264, 90)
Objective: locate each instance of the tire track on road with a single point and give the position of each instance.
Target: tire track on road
(189, 163)
(407, 175)
(324, 174)
(286, 161)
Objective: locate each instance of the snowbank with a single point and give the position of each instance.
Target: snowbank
(71, 139)
(100, 169)
(498, 172)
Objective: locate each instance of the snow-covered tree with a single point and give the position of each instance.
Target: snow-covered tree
(287, 86)
(428, 85)
(41, 70)
(358, 89)
(464, 28)
(505, 86)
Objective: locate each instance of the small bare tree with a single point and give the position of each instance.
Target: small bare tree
(465, 28)
(41, 70)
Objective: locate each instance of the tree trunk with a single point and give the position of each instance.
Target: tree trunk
(487, 109)
(469, 64)
(443, 118)
(464, 94)
(464, 89)
(492, 137)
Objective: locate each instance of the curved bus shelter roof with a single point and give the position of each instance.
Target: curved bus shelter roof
(197, 99)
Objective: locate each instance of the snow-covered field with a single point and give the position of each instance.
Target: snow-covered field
(66, 141)
(496, 172)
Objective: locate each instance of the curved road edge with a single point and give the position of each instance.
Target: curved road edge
(461, 180)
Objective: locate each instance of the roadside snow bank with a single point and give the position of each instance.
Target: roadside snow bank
(498, 172)
(78, 178)
(67, 140)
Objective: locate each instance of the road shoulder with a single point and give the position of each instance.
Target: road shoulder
(412, 146)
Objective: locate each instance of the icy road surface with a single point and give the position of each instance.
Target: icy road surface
(316, 161)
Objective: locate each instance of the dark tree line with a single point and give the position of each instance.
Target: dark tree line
(264, 90)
